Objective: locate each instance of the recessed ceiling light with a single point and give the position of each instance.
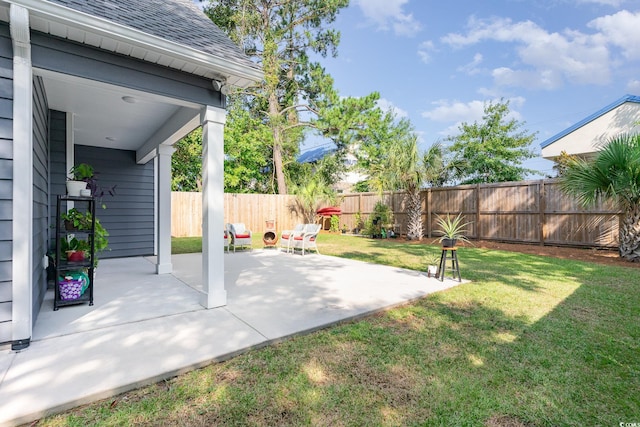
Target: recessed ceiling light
(110, 138)
(129, 99)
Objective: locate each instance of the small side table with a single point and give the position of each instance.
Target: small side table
(449, 254)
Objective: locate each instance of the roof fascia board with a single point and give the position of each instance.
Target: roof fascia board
(104, 27)
(592, 117)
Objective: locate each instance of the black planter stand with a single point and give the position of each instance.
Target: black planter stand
(66, 266)
(449, 254)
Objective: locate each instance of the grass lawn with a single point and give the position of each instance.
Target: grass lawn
(530, 341)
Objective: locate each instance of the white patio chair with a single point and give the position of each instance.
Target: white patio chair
(226, 237)
(240, 236)
(286, 237)
(307, 240)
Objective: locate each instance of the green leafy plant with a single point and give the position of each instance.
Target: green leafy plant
(453, 229)
(358, 219)
(84, 172)
(381, 217)
(81, 172)
(75, 220)
(82, 221)
(334, 224)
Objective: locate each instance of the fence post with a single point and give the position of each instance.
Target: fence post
(542, 206)
(428, 212)
(478, 229)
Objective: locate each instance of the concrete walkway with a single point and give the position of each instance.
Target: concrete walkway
(146, 327)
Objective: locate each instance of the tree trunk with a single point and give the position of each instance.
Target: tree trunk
(414, 215)
(277, 162)
(630, 234)
(275, 117)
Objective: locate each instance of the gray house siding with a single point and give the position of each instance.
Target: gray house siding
(6, 181)
(129, 216)
(57, 163)
(40, 192)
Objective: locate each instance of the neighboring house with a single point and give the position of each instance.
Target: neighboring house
(348, 179)
(113, 83)
(585, 137)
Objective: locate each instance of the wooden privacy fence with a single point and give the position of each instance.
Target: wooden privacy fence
(527, 211)
(251, 209)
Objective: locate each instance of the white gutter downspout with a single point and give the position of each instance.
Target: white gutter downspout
(22, 261)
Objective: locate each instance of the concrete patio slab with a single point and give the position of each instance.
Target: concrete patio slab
(146, 327)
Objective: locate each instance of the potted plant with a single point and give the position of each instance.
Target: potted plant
(78, 178)
(358, 221)
(76, 220)
(432, 266)
(73, 248)
(84, 177)
(452, 230)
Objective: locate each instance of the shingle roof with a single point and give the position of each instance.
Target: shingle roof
(592, 117)
(179, 21)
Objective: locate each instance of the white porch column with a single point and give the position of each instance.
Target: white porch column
(22, 259)
(163, 233)
(213, 120)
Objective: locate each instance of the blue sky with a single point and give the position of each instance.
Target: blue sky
(437, 63)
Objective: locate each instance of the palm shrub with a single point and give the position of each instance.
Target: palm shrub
(613, 174)
(311, 196)
(410, 170)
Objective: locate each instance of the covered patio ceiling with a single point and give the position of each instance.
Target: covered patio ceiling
(110, 116)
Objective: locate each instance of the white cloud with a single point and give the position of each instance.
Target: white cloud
(634, 87)
(622, 30)
(386, 105)
(549, 59)
(424, 51)
(447, 111)
(614, 3)
(472, 67)
(533, 79)
(455, 111)
(389, 15)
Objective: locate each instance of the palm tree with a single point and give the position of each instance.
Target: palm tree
(409, 171)
(613, 174)
(311, 196)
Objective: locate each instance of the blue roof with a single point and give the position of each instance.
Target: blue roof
(314, 155)
(567, 131)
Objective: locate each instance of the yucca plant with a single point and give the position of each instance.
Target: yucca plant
(452, 229)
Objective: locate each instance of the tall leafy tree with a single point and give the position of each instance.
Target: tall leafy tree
(282, 35)
(613, 174)
(186, 163)
(376, 145)
(562, 163)
(247, 147)
(493, 149)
